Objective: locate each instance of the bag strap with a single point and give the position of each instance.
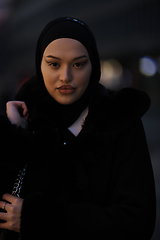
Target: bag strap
(19, 182)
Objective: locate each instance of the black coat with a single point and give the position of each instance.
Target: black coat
(99, 186)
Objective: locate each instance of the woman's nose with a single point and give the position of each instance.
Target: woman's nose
(65, 74)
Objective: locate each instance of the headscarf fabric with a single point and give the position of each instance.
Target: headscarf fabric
(44, 104)
(67, 27)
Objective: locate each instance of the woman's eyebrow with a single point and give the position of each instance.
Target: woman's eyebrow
(84, 56)
(50, 56)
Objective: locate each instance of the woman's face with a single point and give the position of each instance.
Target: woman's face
(66, 70)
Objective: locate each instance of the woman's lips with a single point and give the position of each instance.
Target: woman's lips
(66, 89)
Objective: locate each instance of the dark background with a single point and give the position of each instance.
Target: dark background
(128, 39)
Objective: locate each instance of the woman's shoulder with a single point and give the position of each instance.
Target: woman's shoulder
(125, 102)
(130, 102)
(127, 108)
(116, 112)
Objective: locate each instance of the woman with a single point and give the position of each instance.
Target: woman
(86, 168)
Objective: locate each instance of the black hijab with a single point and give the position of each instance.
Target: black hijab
(69, 28)
(66, 27)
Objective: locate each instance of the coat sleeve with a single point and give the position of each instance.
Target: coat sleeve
(14, 154)
(130, 215)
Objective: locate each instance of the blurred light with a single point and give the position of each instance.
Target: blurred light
(158, 60)
(111, 72)
(148, 66)
(5, 10)
(4, 15)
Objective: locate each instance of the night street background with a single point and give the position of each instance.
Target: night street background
(128, 39)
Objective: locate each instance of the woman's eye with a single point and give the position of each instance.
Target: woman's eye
(55, 65)
(79, 65)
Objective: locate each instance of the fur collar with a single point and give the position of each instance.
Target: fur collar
(115, 113)
(109, 113)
